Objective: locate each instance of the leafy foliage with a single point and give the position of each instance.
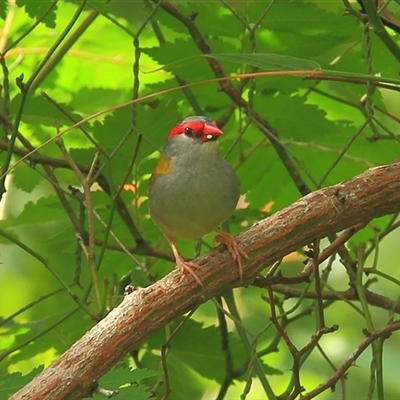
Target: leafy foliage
(15, 381)
(3, 8)
(41, 11)
(128, 382)
(317, 105)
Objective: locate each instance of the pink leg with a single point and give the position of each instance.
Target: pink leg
(183, 265)
(236, 252)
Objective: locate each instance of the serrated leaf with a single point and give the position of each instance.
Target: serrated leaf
(178, 57)
(44, 209)
(39, 9)
(201, 350)
(140, 392)
(86, 100)
(126, 381)
(123, 375)
(25, 178)
(38, 110)
(15, 381)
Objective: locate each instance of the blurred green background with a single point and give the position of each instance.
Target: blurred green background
(116, 51)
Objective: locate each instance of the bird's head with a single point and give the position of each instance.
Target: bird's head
(197, 127)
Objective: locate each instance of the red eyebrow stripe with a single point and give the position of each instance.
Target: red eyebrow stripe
(180, 128)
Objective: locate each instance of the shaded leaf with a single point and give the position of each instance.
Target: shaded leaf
(15, 381)
(39, 10)
(127, 382)
(269, 62)
(25, 178)
(38, 110)
(3, 8)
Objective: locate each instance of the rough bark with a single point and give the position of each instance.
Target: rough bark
(372, 194)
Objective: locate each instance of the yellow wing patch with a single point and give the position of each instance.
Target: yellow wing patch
(163, 166)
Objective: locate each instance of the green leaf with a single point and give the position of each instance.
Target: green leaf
(26, 178)
(201, 349)
(16, 381)
(127, 382)
(318, 125)
(45, 208)
(87, 100)
(38, 9)
(38, 110)
(268, 62)
(121, 375)
(3, 9)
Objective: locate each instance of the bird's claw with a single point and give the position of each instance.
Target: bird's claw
(236, 252)
(188, 266)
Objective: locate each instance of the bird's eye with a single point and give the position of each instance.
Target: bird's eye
(188, 131)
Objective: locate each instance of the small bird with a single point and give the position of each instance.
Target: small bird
(193, 189)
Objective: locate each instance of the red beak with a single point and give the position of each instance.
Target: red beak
(212, 130)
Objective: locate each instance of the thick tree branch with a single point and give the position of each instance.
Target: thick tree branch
(372, 194)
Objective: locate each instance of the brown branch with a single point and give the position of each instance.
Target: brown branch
(357, 81)
(372, 194)
(336, 245)
(150, 251)
(373, 299)
(383, 333)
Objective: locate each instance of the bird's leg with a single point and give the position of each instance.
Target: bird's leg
(236, 252)
(184, 265)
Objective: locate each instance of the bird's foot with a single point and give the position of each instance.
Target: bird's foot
(189, 266)
(236, 252)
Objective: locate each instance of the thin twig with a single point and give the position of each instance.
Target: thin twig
(91, 251)
(351, 361)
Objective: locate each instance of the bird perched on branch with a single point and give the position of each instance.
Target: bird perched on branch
(193, 189)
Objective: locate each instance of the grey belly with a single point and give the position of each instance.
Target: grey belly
(191, 208)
